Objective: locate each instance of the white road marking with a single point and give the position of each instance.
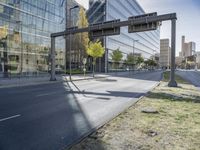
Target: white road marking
(46, 94)
(4, 119)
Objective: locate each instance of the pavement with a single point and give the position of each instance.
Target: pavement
(191, 76)
(25, 81)
(54, 116)
(35, 80)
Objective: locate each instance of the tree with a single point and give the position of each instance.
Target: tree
(130, 59)
(116, 56)
(95, 50)
(3, 43)
(140, 60)
(3, 32)
(150, 62)
(83, 38)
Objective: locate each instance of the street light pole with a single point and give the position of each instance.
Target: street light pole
(70, 24)
(21, 63)
(134, 53)
(172, 82)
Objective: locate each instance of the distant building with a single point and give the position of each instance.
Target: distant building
(72, 17)
(198, 59)
(74, 13)
(165, 53)
(179, 61)
(188, 49)
(156, 58)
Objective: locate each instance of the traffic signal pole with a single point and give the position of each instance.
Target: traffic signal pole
(53, 77)
(113, 28)
(172, 82)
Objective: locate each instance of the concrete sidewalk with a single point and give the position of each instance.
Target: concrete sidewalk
(26, 81)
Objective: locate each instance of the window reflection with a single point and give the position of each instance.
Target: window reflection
(25, 28)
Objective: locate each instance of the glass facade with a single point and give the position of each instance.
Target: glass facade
(25, 27)
(145, 44)
(72, 42)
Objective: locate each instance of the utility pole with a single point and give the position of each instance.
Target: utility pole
(172, 82)
(70, 53)
(21, 61)
(134, 53)
(53, 77)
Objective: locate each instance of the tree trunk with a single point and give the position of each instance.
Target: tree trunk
(93, 66)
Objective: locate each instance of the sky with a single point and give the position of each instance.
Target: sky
(188, 14)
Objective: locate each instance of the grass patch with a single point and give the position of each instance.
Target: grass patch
(76, 71)
(166, 78)
(175, 127)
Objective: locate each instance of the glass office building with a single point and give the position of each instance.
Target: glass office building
(72, 16)
(25, 27)
(146, 44)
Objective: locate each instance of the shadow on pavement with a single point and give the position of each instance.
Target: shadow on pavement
(81, 125)
(193, 77)
(51, 116)
(106, 80)
(48, 121)
(109, 94)
(148, 75)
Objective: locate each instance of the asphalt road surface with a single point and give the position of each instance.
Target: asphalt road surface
(192, 76)
(53, 116)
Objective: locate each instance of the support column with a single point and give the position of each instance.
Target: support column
(53, 77)
(70, 58)
(106, 60)
(172, 82)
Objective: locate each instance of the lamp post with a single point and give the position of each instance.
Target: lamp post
(195, 57)
(21, 67)
(70, 25)
(134, 53)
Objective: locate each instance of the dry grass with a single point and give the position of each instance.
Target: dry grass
(175, 127)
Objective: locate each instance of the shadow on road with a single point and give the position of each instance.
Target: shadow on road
(51, 115)
(106, 80)
(48, 120)
(109, 94)
(148, 75)
(81, 126)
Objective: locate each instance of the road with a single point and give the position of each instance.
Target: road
(53, 116)
(191, 76)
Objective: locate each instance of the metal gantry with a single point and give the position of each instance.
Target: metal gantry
(142, 23)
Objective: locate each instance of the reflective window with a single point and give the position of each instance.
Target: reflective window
(26, 26)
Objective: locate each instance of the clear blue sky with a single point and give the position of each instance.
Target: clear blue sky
(188, 13)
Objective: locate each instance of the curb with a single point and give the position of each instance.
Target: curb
(45, 82)
(49, 82)
(90, 78)
(112, 118)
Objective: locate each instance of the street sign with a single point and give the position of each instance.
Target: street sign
(139, 23)
(107, 31)
(147, 26)
(84, 61)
